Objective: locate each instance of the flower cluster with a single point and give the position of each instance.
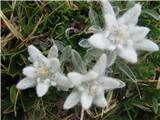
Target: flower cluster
(44, 72)
(120, 35)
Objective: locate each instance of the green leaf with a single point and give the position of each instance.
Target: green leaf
(152, 13)
(9, 109)
(65, 57)
(13, 92)
(128, 112)
(93, 17)
(155, 105)
(126, 70)
(14, 67)
(95, 52)
(27, 102)
(24, 59)
(66, 54)
(78, 62)
(61, 45)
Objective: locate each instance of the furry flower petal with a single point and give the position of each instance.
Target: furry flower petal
(26, 83)
(71, 100)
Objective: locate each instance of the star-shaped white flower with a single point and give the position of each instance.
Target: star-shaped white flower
(43, 72)
(122, 34)
(90, 87)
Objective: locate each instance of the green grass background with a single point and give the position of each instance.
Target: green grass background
(32, 22)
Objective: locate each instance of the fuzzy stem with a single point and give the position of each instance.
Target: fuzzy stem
(82, 114)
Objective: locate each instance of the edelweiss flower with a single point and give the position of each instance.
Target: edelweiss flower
(44, 72)
(90, 87)
(122, 34)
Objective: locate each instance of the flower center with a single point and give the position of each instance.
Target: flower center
(94, 88)
(122, 34)
(43, 72)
